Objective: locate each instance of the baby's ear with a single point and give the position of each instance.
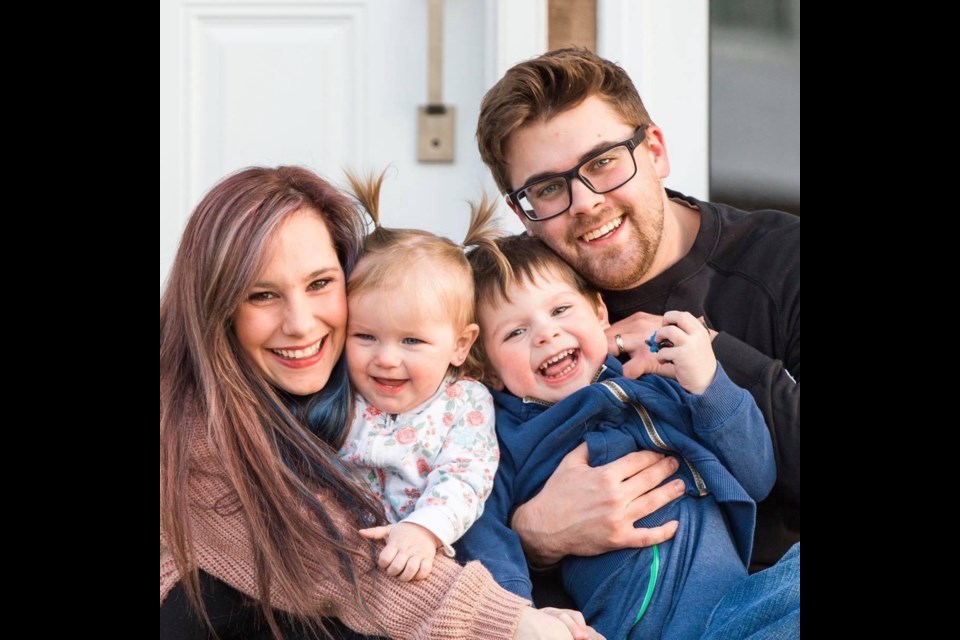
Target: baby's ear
(464, 341)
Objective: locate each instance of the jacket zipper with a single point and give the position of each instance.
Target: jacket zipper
(621, 395)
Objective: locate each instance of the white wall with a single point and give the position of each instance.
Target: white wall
(337, 84)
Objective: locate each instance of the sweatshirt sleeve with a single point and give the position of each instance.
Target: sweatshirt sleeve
(462, 474)
(491, 540)
(727, 421)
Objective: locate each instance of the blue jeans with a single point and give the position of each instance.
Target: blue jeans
(763, 606)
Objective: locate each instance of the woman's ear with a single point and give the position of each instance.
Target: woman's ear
(464, 341)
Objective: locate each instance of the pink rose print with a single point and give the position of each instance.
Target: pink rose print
(422, 467)
(455, 391)
(448, 419)
(475, 418)
(406, 435)
(370, 412)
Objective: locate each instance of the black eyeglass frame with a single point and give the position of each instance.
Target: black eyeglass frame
(638, 137)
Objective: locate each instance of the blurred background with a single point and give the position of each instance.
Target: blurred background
(338, 85)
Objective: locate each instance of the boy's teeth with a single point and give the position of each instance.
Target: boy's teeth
(557, 358)
(604, 230)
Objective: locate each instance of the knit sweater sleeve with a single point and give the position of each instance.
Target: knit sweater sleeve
(453, 602)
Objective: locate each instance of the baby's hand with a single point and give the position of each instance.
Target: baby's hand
(409, 552)
(689, 359)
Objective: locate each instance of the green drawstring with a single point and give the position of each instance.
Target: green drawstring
(654, 573)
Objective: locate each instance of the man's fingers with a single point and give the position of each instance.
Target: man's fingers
(655, 499)
(577, 457)
(632, 464)
(655, 535)
(638, 323)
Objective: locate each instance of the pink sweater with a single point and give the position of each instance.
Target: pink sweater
(453, 602)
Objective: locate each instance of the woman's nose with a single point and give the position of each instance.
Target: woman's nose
(298, 318)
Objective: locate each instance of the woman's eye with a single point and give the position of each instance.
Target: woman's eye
(412, 341)
(260, 296)
(319, 284)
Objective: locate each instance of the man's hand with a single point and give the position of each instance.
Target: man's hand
(688, 358)
(585, 511)
(633, 330)
(409, 552)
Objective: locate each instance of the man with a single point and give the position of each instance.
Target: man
(569, 141)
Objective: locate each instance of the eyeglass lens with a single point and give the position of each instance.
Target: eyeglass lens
(602, 173)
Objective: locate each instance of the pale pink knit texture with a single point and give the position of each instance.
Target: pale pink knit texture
(453, 602)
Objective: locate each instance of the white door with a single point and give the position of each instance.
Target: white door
(335, 85)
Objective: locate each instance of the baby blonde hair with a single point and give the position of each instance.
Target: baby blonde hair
(428, 270)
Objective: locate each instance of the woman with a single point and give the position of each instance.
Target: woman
(252, 328)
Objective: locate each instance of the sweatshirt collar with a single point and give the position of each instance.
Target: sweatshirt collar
(660, 286)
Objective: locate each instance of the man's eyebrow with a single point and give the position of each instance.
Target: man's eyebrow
(600, 146)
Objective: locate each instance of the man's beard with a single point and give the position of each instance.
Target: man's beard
(615, 268)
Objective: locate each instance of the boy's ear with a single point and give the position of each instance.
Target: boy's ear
(602, 315)
(464, 341)
(493, 380)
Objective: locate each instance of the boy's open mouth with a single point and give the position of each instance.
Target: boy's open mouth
(560, 364)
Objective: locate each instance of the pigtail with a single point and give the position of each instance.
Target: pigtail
(484, 255)
(367, 192)
(482, 237)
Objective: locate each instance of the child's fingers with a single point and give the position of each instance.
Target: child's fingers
(398, 565)
(410, 569)
(426, 566)
(375, 533)
(387, 557)
(685, 320)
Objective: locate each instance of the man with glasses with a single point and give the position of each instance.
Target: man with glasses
(569, 141)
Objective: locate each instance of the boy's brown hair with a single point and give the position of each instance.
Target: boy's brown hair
(529, 258)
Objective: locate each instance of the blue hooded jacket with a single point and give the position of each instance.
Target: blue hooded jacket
(726, 460)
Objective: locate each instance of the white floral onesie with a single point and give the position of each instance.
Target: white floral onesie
(432, 465)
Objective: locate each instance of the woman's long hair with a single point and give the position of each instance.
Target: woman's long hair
(275, 466)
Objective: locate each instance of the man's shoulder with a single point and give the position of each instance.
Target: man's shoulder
(759, 229)
(756, 242)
